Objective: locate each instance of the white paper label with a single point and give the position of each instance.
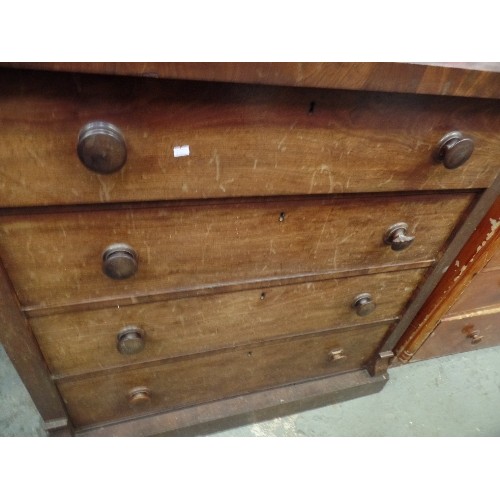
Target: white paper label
(181, 151)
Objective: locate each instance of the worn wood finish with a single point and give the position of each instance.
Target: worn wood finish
(20, 344)
(474, 251)
(87, 341)
(217, 375)
(247, 409)
(243, 140)
(55, 259)
(453, 336)
(473, 79)
(482, 292)
(494, 263)
(204, 290)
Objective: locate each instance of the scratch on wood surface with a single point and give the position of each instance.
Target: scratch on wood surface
(321, 170)
(105, 190)
(386, 181)
(280, 144)
(217, 165)
(38, 160)
(321, 234)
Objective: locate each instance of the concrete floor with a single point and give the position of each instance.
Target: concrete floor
(450, 396)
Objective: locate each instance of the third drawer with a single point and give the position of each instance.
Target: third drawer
(86, 341)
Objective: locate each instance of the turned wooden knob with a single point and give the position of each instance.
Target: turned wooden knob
(454, 149)
(363, 304)
(139, 396)
(472, 334)
(101, 147)
(130, 340)
(336, 355)
(396, 236)
(119, 261)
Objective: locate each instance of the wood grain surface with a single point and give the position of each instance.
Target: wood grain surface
(494, 263)
(218, 375)
(243, 140)
(87, 341)
(56, 258)
(482, 292)
(476, 250)
(451, 335)
(22, 348)
(473, 79)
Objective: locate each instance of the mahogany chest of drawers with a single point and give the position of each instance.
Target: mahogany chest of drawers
(180, 254)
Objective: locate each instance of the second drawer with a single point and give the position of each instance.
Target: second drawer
(57, 259)
(78, 342)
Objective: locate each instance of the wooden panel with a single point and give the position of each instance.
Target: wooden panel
(483, 291)
(451, 336)
(219, 375)
(480, 79)
(21, 347)
(248, 409)
(494, 263)
(86, 341)
(244, 140)
(56, 258)
(467, 254)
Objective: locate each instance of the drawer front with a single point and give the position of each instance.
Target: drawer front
(218, 375)
(81, 342)
(483, 291)
(243, 140)
(462, 335)
(56, 259)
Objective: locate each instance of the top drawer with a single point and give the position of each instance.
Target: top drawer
(243, 140)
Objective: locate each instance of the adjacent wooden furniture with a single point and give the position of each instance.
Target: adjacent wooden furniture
(190, 246)
(463, 312)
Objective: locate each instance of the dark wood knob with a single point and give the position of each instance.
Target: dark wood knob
(101, 147)
(131, 340)
(119, 261)
(472, 334)
(396, 236)
(139, 396)
(454, 149)
(336, 355)
(363, 304)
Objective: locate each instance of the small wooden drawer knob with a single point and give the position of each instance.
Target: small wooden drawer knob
(139, 397)
(472, 334)
(454, 149)
(364, 304)
(119, 261)
(131, 340)
(336, 355)
(397, 237)
(101, 147)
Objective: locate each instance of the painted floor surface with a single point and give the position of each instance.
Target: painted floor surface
(450, 396)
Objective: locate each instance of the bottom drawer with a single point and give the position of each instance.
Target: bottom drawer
(462, 335)
(189, 381)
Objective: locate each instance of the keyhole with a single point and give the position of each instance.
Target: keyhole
(282, 216)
